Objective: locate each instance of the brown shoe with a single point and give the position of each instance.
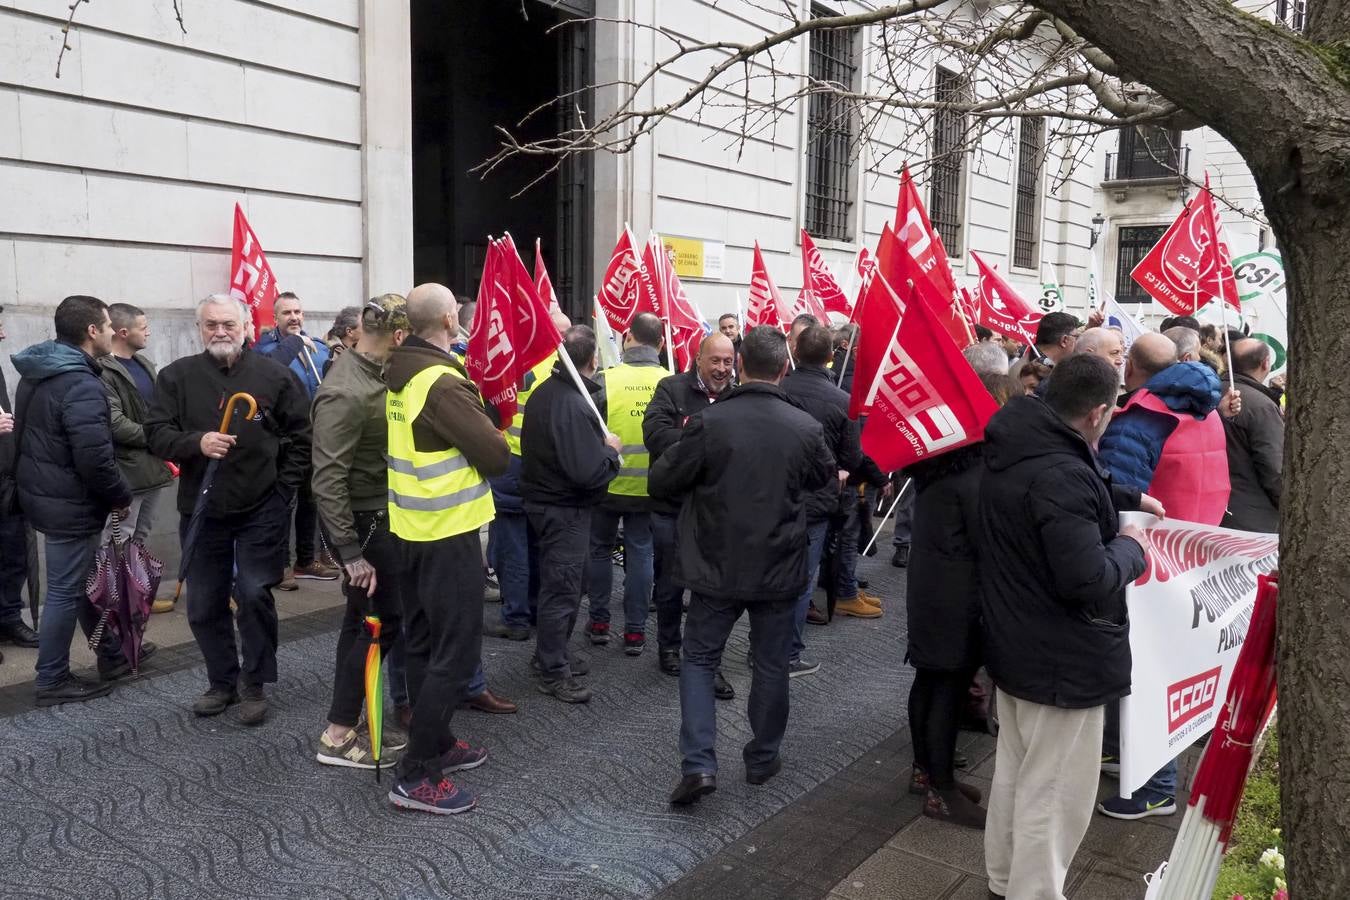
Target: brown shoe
(315, 571)
(816, 617)
(288, 582)
(856, 608)
(869, 599)
(488, 702)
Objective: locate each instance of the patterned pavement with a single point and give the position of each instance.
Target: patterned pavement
(133, 797)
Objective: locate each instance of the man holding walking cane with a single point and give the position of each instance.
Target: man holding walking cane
(289, 345)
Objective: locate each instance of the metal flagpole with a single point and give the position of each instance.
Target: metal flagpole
(894, 503)
(581, 386)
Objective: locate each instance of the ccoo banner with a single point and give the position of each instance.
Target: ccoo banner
(1188, 617)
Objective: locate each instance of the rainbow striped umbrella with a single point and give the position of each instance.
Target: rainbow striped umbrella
(374, 691)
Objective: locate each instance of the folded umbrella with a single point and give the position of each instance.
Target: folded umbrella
(203, 493)
(374, 692)
(122, 587)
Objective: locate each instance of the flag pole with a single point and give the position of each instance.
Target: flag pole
(894, 503)
(670, 345)
(1223, 318)
(848, 352)
(581, 386)
(740, 316)
(310, 360)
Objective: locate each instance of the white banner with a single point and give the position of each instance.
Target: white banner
(1188, 617)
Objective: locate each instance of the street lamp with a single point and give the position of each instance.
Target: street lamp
(1098, 221)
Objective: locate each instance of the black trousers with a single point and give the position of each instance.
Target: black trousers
(306, 514)
(442, 584)
(935, 703)
(382, 552)
(564, 548)
(241, 555)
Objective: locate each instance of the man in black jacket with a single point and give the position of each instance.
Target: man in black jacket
(1255, 444)
(68, 482)
(568, 463)
(242, 542)
(676, 399)
(744, 469)
(13, 532)
(811, 386)
(1053, 570)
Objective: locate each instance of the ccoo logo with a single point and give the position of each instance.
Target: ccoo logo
(1190, 697)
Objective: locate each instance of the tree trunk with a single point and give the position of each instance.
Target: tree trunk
(1314, 612)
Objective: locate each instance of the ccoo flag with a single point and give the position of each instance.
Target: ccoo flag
(765, 303)
(252, 281)
(925, 398)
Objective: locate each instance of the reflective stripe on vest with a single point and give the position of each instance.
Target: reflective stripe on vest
(541, 373)
(432, 495)
(628, 390)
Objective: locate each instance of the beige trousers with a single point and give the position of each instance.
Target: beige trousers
(1045, 787)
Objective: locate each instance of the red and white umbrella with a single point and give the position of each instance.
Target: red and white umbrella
(1193, 869)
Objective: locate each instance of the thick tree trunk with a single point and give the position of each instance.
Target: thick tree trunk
(1314, 616)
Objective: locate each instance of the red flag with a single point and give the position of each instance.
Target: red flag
(765, 304)
(620, 285)
(915, 231)
(866, 266)
(1001, 308)
(925, 399)
(512, 331)
(1190, 264)
(542, 283)
(820, 282)
(686, 327)
(877, 313)
(251, 277)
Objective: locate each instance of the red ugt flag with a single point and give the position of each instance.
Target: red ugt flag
(251, 277)
(1001, 308)
(820, 281)
(621, 284)
(1190, 263)
(542, 283)
(765, 304)
(925, 398)
(511, 332)
(670, 302)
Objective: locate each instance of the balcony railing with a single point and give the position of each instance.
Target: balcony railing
(1140, 165)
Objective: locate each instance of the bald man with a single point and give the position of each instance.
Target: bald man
(677, 398)
(1108, 343)
(441, 448)
(1255, 443)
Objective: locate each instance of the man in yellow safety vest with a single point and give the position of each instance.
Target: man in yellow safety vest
(441, 447)
(626, 391)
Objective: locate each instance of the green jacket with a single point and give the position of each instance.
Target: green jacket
(142, 469)
(350, 439)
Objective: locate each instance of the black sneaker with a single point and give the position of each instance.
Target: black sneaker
(722, 688)
(122, 668)
(252, 705)
(634, 643)
(509, 632)
(215, 701)
(565, 689)
(799, 667)
(73, 690)
(900, 558)
(669, 661)
(579, 665)
(440, 797)
(19, 634)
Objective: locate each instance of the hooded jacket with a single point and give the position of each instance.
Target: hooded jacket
(1052, 567)
(813, 389)
(142, 469)
(743, 469)
(565, 461)
(67, 474)
(1172, 446)
(271, 454)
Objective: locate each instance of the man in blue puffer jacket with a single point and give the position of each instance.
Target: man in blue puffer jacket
(68, 482)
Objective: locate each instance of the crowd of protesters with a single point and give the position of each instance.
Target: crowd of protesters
(372, 456)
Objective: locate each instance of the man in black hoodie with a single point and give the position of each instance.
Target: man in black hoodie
(240, 551)
(569, 461)
(1053, 569)
(744, 468)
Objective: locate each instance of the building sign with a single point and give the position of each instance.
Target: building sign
(696, 258)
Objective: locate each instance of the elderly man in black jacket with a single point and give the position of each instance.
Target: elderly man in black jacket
(1052, 573)
(240, 551)
(744, 469)
(1255, 444)
(68, 482)
(676, 399)
(568, 463)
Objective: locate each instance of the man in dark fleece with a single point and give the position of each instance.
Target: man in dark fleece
(240, 551)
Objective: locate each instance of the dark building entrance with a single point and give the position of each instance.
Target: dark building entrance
(477, 64)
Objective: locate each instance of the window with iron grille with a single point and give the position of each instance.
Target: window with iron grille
(1027, 214)
(831, 130)
(1134, 246)
(1147, 151)
(1293, 13)
(945, 197)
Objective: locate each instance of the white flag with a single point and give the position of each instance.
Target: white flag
(1118, 318)
(606, 344)
(1052, 298)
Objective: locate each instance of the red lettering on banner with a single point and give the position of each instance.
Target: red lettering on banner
(1191, 697)
(1179, 550)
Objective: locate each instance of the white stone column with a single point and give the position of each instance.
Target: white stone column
(386, 146)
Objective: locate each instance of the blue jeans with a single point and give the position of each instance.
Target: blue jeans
(846, 566)
(637, 566)
(68, 562)
(1164, 781)
(514, 557)
(667, 596)
(815, 537)
(706, 629)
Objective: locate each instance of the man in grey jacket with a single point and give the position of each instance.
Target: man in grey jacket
(1255, 444)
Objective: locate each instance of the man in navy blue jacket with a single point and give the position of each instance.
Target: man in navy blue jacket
(68, 482)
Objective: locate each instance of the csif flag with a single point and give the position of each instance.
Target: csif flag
(1001, 308)
(819, 281)
(621, 284)
(512, 331)
(765, 303)
(925, 399)
(1190, 264)
(252, 281)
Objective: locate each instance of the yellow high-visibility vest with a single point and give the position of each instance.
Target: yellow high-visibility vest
(541, 373)
(433, 495)
(628, 390)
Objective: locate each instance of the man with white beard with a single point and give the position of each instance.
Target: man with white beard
(240, 551)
